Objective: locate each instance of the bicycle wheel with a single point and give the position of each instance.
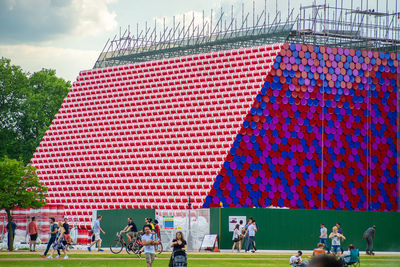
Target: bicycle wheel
(116, 246)
(159, 248)
(130, 248)
(136, 248)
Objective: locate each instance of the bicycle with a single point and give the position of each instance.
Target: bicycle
(119, 244)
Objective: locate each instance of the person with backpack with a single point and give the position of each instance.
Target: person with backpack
(236, 238)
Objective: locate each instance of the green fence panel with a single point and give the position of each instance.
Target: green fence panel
(299, 229)
(115, 220)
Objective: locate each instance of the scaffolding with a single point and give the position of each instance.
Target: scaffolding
(317, 24)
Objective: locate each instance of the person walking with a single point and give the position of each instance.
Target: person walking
(340, 231)
(241, 236)
(59, 243)
(148, 245)
(323, 237)
(96, 231)
(67, 233)
(251, 230)
(336, 238)
(33, 232)
(369, 236)
(53, 234)
(246, 233)
(179, 243)
(236, 238)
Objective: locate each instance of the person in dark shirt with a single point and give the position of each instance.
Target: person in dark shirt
(369, 236)
(131, 229)
(13, 227)
(340, 231)
(179, 243)
(67, 234)
(53, 234)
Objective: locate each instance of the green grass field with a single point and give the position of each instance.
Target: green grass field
(199, 260)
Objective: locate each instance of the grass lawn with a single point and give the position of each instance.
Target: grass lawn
(198, 260)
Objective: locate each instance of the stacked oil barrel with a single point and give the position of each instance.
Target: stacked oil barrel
(321, 133)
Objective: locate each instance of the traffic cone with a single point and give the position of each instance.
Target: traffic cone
(216, 248)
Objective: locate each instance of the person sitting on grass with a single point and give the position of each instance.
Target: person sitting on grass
(148, 244)
(319, 250)
(296, 260)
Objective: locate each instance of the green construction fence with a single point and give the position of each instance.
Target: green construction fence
(288, 229)
(114, 221)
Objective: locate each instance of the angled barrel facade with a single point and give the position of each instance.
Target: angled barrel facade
(284, 125)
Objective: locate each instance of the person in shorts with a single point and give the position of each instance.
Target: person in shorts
(96, 231)
(148, 245)
(67, 233)
(236, 238)
(33, 231)
(336, 238)
(131, 229)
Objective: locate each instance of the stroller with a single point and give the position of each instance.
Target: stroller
(179, 258)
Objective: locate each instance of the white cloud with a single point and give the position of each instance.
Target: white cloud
(67, 62)
(93, 17)
(44, 20)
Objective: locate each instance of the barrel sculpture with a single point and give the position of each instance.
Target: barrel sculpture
(284, 125)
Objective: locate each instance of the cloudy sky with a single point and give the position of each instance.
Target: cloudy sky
(68, 35)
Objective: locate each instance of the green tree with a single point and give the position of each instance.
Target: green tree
(19, 188)
(28, 103)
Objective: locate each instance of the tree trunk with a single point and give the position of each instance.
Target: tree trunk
(10, 231)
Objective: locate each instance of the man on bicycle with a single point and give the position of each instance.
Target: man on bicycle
(131, 229)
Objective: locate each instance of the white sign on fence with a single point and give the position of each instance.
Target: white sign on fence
(233, 220)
